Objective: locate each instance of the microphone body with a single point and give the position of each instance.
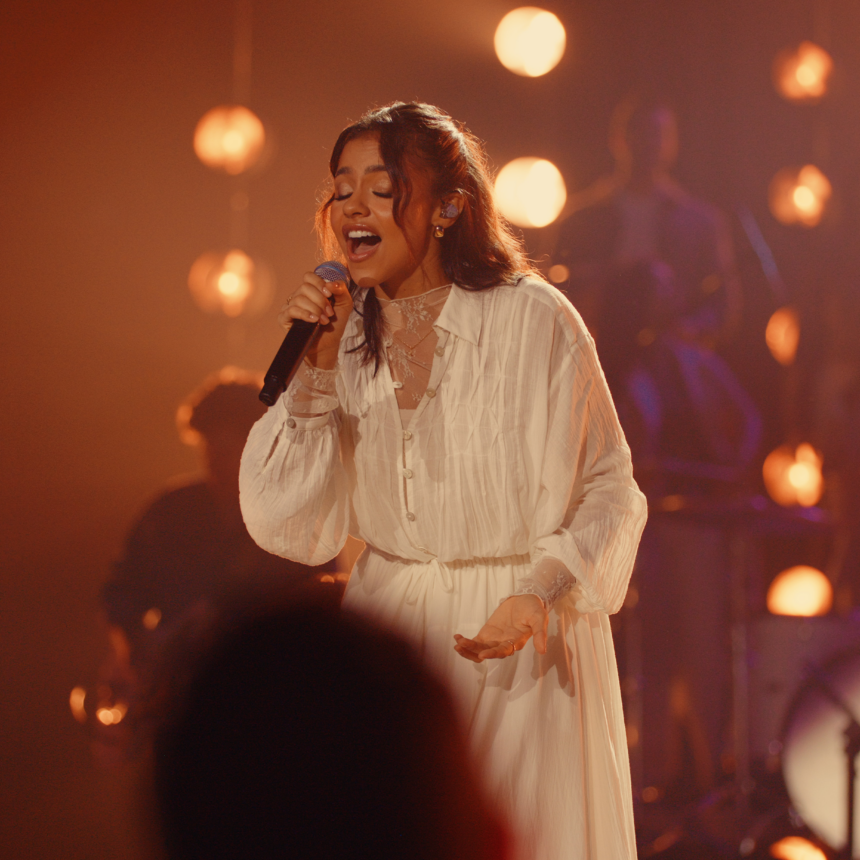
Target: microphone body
(289, 357)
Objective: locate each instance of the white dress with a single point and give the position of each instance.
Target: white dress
(513, 455)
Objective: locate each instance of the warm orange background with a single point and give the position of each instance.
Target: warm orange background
(103, 207)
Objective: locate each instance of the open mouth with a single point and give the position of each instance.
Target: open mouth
(361, 241)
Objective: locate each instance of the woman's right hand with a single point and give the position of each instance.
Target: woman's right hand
(310, 302)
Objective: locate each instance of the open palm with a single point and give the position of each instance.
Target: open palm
(507, 630)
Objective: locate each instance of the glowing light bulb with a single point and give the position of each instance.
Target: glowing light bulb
(802, 74)
(76, 703)
(783, 334)
(530, 41)
(793, 476)
(796, 848)
(806, 75)
(800, 474)
(804, 198)
(152, 617)
(558, 273)
(230, 283)
(233, 142)
(800, 591)
(229, 138)
(530, 192)
(799, 196)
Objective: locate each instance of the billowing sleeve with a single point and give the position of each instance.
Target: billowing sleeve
(590, 513)
(292, 483)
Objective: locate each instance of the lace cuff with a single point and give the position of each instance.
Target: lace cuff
(317, 378)
(550, 580)
(313, 391)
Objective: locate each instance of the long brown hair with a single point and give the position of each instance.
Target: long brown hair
(479, 251)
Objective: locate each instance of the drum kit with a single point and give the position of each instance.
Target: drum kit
(795, 703)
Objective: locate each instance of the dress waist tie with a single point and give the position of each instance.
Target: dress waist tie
(426, 573)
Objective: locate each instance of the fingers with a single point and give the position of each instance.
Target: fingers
(313, 301)
(310, 302)
(478, 650)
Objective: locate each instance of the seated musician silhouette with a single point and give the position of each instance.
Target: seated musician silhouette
(190, 551)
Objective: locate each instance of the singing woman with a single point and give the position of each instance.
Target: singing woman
(452, 415)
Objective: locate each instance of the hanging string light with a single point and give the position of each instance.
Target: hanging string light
(792, 476)
(799, 195)
(801, 591)
(802, 74)
(530, 41)
(530, 192)
(229, 138)
(783, 335)
(230, 282)
(232, 139)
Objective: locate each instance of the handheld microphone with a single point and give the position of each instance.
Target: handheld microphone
(289, 357)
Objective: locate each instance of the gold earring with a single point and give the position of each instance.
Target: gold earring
(438, 231)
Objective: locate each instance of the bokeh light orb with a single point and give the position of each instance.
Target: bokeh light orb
(77, 699)
(229, 138)
(800, 591)
(230, 282)
(799, 196)
(802, 74)
(792, 476)
(530, 192)
(559, 273)
(530, 41)
(796, 848)
(783, 334)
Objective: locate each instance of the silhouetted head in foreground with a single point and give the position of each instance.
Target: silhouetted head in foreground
(313, 735)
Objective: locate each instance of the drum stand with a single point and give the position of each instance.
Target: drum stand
(738, 553)
(728, 813)
(852, 750)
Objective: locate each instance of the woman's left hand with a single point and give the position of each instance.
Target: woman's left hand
(507, 630)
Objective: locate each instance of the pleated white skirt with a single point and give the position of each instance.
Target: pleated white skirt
(548, 730)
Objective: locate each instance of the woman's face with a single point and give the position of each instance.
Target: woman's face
(404, 261)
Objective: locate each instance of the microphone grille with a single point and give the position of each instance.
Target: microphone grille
(331, 270)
